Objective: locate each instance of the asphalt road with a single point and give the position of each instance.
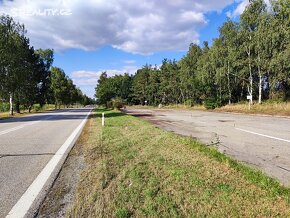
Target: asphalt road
(261, 141)
(27, 144)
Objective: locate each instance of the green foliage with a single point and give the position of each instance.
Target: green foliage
(122, 213)
(118, 103)
(26, 75)
(212, 103)
(4, 107)
(117, 87)
(250, 57)
(36, 107)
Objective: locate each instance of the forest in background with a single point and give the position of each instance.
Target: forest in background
(249, 58)
(27, 76)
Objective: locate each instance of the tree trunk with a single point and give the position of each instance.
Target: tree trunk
(17, 107)
(260, 81)
(260, 88)
(11, 104)
(250, 90)
(229, 88)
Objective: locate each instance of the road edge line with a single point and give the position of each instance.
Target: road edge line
(263, 135)
(26, 201)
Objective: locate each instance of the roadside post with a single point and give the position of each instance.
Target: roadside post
(103, 119)
(249, 97)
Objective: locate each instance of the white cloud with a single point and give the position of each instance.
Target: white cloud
(143, 26)
(242, 4)
(90, 78)
(241, 8)
(129, 61)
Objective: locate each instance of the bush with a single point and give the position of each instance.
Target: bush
(189, 103)
(4, 107)
(211, 103)
(36, 107)
(118, 103)
(109, 104)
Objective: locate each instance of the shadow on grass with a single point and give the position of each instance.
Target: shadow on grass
(108, 113)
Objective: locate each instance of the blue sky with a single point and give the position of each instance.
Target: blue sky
(118, 36)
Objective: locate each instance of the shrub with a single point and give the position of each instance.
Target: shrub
(36, 107)
(4, 107)
(211, 103)
(118, 103)
(109, 104)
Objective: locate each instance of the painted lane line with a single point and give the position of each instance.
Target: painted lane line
(18, 127)
(24, 125)
(267, 136)
(21, 208)
(11, 130)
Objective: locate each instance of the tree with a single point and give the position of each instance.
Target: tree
(250, 21)
(229, 46)
(13, 50)
(140, 84)
(45, 63)
(188, 73)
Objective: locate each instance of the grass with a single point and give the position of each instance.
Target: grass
(136, 170)
(270, 108)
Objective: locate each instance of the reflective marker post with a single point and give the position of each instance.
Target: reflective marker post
(103, 119)
(250, 97)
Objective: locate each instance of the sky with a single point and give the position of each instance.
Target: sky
(118, 36)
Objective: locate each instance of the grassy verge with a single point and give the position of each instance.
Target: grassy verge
(134, 169)
(270, 108)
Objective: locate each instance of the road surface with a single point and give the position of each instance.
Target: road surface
(261, 141)
(27, 144)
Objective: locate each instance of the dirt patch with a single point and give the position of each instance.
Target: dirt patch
(149, 116)
(61, 195)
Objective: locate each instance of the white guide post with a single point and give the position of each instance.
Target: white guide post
(250, 98)
(103, 119)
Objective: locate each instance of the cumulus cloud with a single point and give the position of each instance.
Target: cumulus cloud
(242, 4)
(90, 78)
(144, 26)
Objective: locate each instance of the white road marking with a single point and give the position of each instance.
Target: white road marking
(23, 205)
(11, 130)
(267, 136)
(24, 125)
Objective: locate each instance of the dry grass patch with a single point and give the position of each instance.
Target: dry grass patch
(281, 108)
(136, 170)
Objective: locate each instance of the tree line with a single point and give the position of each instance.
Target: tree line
(27, 76)
(249, 58)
